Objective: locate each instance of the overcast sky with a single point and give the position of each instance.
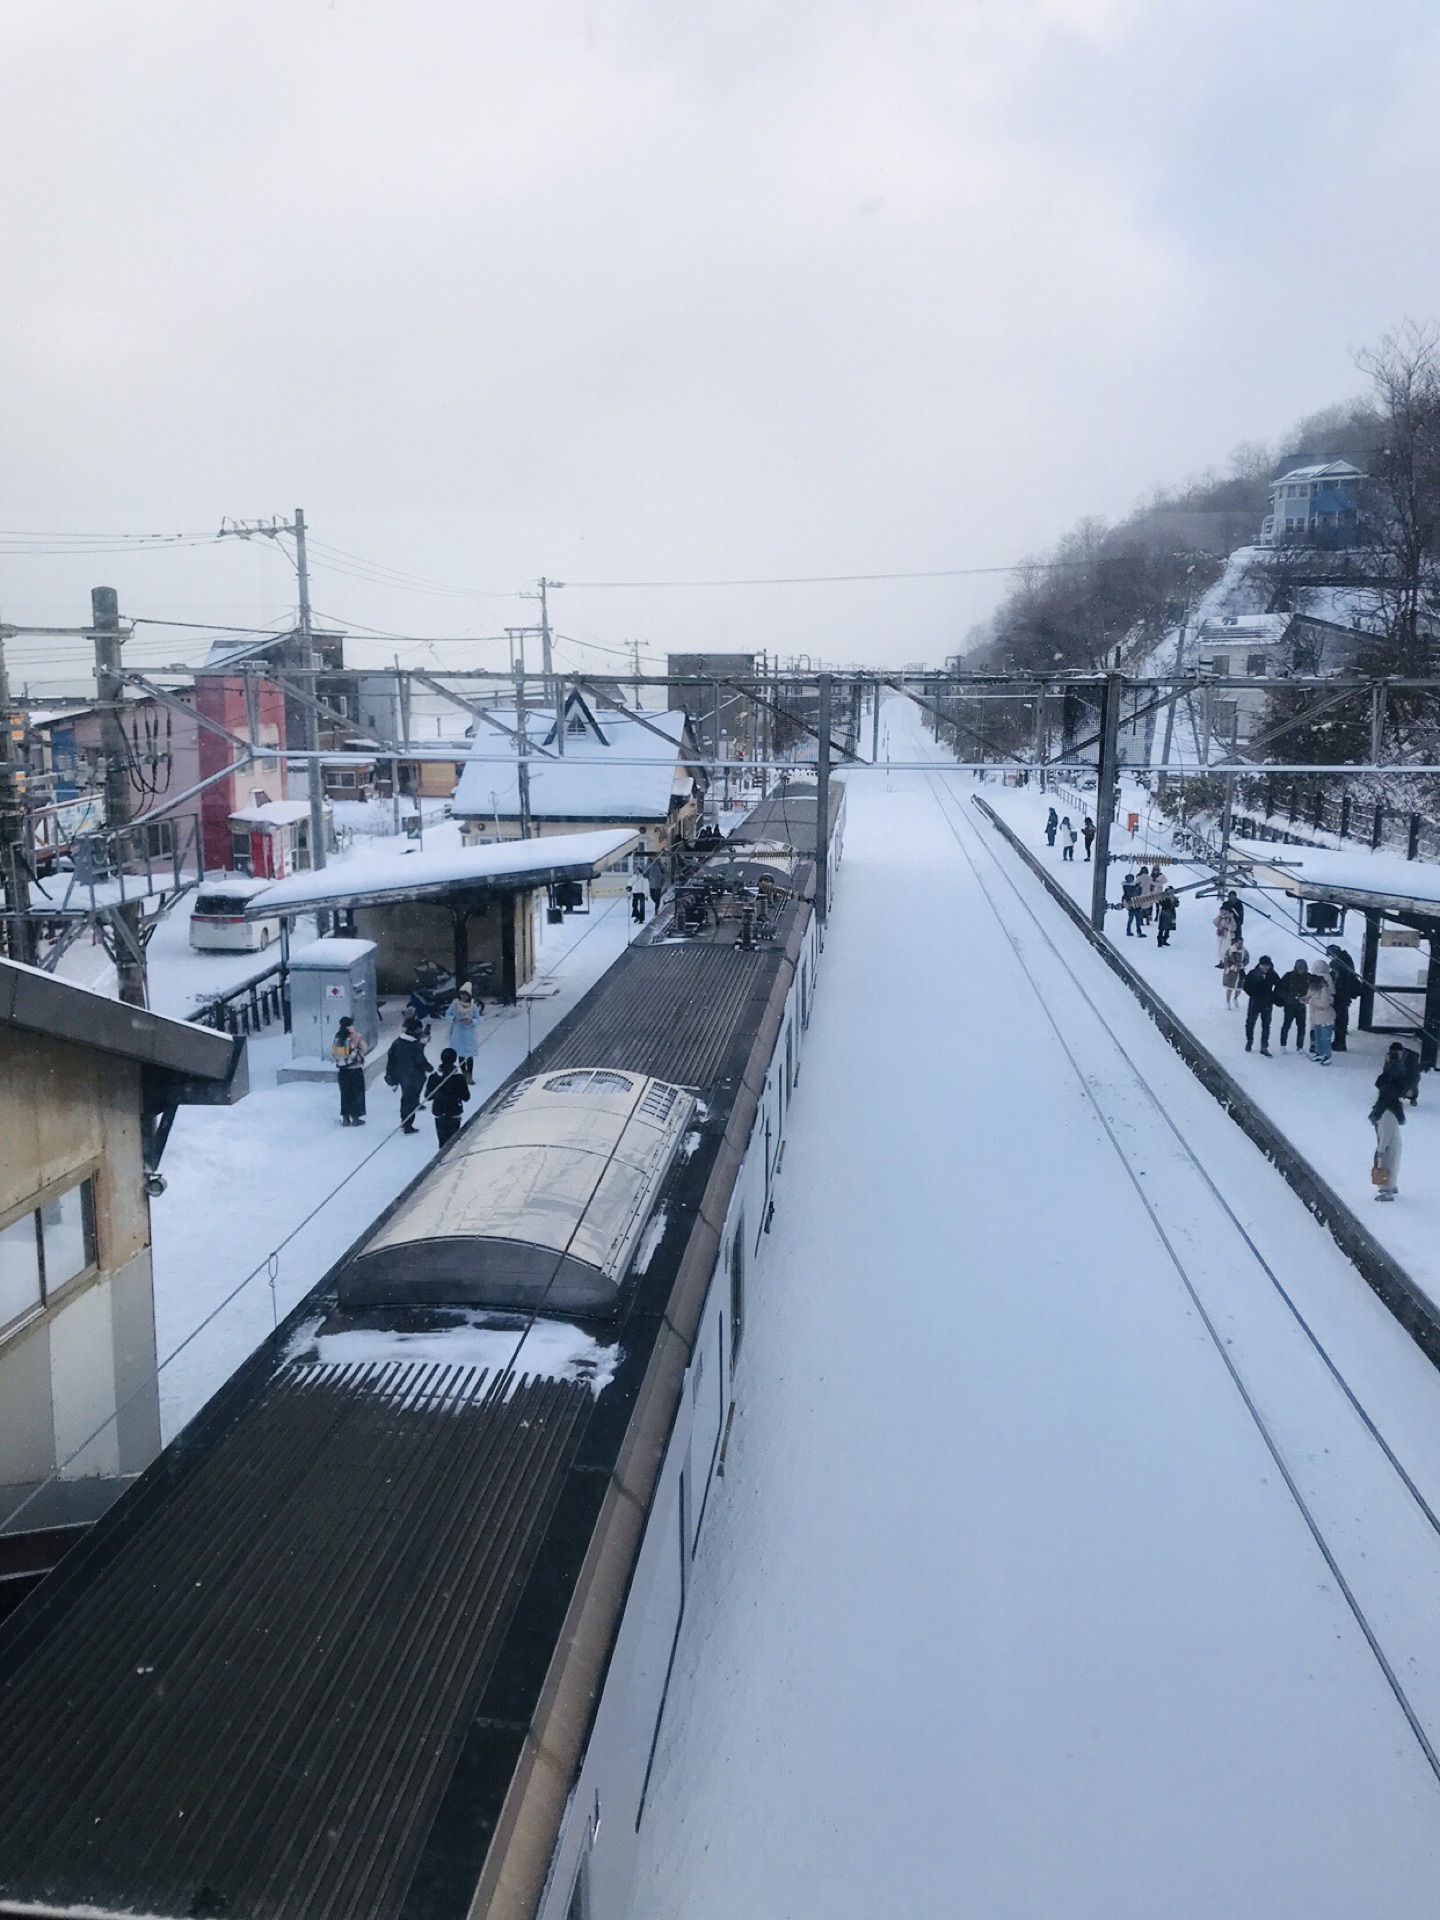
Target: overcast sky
(618, 292)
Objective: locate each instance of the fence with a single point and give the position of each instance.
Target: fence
(1298, 803)
(248, 1008)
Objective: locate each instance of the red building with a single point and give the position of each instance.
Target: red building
(220, 697)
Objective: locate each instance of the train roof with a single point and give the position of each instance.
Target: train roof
(789, 817)
(310, 1663)
(541, 1203)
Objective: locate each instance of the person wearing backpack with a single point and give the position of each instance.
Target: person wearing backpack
(406, 1067)
(447, 1090)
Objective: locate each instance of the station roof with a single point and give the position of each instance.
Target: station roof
(1350, 877)
(184, 1056)
(507, 865)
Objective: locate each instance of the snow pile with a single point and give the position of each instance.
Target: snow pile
(545, 1350)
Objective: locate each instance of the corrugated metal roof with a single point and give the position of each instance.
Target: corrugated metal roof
(257, 1712)
(671, 1011)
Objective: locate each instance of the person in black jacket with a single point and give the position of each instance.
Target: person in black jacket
(447, 1090)
(1293, 995)
(406, 1067)
(1235, 907)
(1262, 985)
(1087, 829)
(1387, 1116)
(1052, 826)
(1165, 916)
(1345, 982)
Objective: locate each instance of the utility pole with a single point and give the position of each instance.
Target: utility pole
(547, 663)
(105, 625)
(635, 659)
(14, 864)
(303, 662)
(822, 808)
(1105, 795)
(522, 743)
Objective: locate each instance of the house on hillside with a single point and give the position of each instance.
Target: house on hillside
(1314, 505)
(88, 1089)
(609, 770)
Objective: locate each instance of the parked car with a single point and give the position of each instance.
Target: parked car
(217, 920)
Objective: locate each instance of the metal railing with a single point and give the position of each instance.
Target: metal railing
(249, 1008)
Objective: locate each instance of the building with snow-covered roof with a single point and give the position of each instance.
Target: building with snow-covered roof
(609, 769)
(88, 1089)
(1318, 504)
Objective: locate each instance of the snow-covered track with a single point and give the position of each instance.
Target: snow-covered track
(1376, 1529)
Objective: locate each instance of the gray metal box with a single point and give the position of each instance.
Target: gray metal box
(328, 979)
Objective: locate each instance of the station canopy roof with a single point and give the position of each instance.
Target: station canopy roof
(502, 866)
(1349, 877)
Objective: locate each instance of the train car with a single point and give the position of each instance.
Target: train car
(389, 1629)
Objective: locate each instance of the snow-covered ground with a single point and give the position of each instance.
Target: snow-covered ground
(1322, 1110)
(1005, 1606)
(277, 1181)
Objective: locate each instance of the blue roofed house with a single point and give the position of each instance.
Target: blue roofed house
(1314, 505)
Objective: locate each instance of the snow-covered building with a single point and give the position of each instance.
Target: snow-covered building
(88, 1087)
(632, 770)
(1319, 504)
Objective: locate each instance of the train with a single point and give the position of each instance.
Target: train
(390, 1628)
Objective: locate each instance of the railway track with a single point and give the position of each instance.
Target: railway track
(1373, 1525)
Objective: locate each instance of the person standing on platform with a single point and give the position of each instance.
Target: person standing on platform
(1067, 839)
(1322, 1013)
(1235, 907)
(1293, 995)
(348, 1053)
(1387, 1116)
(1051, 827)
(406, 1067)
(464, 1028)
(656, 877)
(1087, 828)
(447, 1090)
(1130, 900)
(1165, 914)
(1261, 987)
(1345, 982)
(1233, 978)
(1227, 931)
(638, 887)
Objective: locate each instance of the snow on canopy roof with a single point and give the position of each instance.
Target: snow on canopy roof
(1351, 875)
(629, 775)
(395, 877)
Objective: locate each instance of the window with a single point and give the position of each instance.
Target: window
(737, 1291)
(43, 1250)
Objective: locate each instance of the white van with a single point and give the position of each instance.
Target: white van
(217, 920)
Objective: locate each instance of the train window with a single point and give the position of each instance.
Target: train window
(737, 1291)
